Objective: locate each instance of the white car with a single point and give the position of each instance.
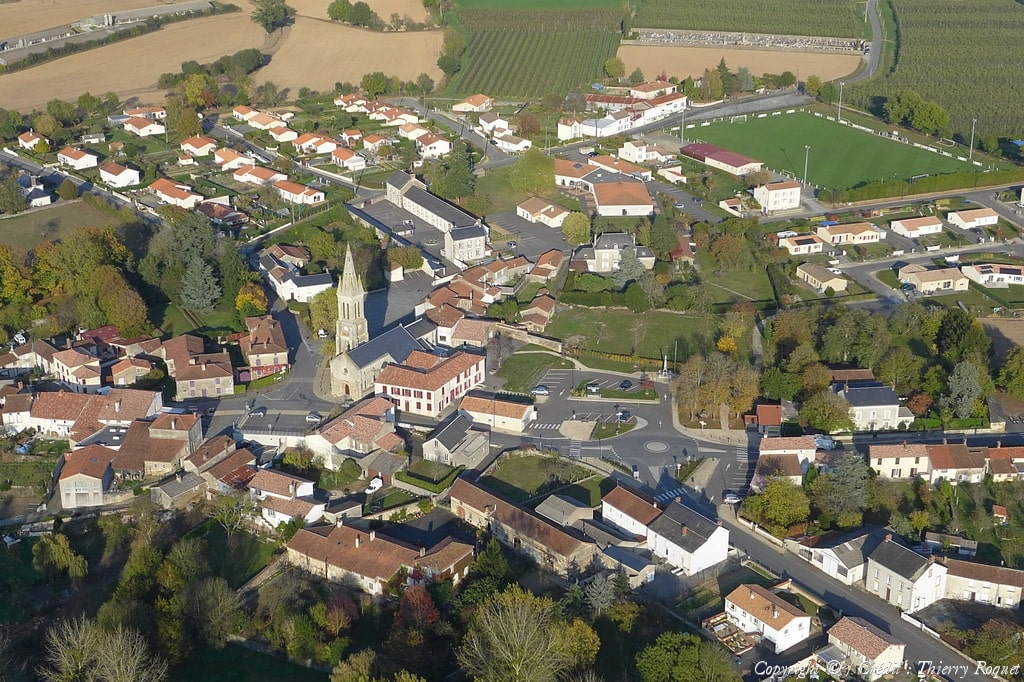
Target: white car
(731, 498)
(376, 483)
(313, 418)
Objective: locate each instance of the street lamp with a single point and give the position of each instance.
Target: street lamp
(807, 154)
(840, 116)
(970, 155)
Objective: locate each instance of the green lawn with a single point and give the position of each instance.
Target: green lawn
(590, 491)
(219, 321)
(840, 157)
(651, 334)
(31, 473)
(604, 430)
(520, 478)
(393, 497)
(234, 663)
(236, 559)
(888, 278)
(523, 370)
(25, 231)
(738, 285)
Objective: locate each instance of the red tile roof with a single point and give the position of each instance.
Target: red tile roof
(633, 504)
(91, 461)
(433, 378)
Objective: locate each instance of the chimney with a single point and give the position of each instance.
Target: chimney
(423, 552)
(999, 443)
(291, 489)
(174, 423)
(931, 558)
(67, 456)
(888, 537)
(357, 541)
(339, 522)
(753, 595)
(679, 499)
(117, 405)
(945, 440)
(654, 503)
(685, 531)
(373, 535)
(775, 611)
(718, 522)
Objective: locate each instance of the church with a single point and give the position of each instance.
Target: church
(360, 359)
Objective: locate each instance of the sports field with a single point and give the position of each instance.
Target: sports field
(839, 158)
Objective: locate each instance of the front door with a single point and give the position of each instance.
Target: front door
(888, 591)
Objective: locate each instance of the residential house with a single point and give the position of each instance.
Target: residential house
(364, 428)
(842, 557)
(778, 196)
(538, 210)
(491, 123)
(804, 447)
(144, 127)
(616, 165)
(258, 175)
(77, 370)
(372, 560)
(115, 175)
(552, 547)
(956, 463)
(787, 466)
(30, 139)
(564, 510)
(652, 90)
(175, 193)
(512, 144)
(995, 585)
(230, 474)
(902, 460)
(943, 543)
(642, 152)
(243, 112)
(197, 374)
(373, 142)
(263, 121)
(283, 498)
(282, 133)
(874, 654)
(467, 244)
(287, 280)
(351, 137)
(629, 510)
(766, 419)
(431, 146)
(915, 228)
(606, 253)
(127, 371)
(222, 213)
(754, 609)
(294, 193)
(264, 347)
(716, 157)
(536, 314)
(622, 199)
(178, 491)
(347, 159)
(150, 112)
(500, 415)
(802, 244)
(477, 103)
(85, 477)
(150, 449)
(77, 159)
(406, 192)
(851, 233)
(314, 143)
(353, 103)
(229, 159)
(34, 191)
(455, 442)
(874, 407)
(687, 539)
(199, 145)
(930, 281)
(904, 578)
(974, 219)
(77, 416)
(426, 384)
(820, 278)
(993, 275)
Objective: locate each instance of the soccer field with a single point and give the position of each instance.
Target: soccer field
(840, 157)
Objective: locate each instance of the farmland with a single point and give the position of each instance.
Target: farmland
(539, 4)
(691, 61)
(964, 54)
(524, 63)
(839, 18)
(839, 157)
(26, 16)
(384, 8)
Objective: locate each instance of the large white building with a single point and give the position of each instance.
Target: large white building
(426, 384)
(778, 196)
(754, 609)
(904, 578)
(687, 539)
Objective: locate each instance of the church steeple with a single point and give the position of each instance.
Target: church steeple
(351, 328)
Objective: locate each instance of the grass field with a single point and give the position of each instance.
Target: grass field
(520, 478)
(653, 332)
(532, 63)
(787, 17)
(235, 663)
(839, 157)
(25, 231)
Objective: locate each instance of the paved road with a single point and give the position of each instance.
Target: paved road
(875, 56)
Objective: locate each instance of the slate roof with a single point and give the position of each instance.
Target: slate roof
(900, 560)
(452, 430)
(869, 396)
(421, 328)
(853, 549)
(678, 518)
(862, 637)
(467, 232)
(561, 508)
(397, 343)
(181, 485)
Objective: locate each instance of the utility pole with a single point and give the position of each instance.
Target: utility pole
(807, 154)
(840, 116)
(682, 127)
(970, 155)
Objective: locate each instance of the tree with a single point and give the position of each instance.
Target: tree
(339, 9)
(11, 199)
(812, 86)
(600, 594)
(637, 76)
(827, 411)
(678, 657)
(53, 555)
(919, 521)
(199, 290)
(68, 190)
(416, 618)
(729, 251)
(513, 639)
(78, 649)
(374, 83)
(118, 300)
(783, 503)
(728, 83)
(965, 392)
(829, 92)
(614, 67)
(744, 80)
(14, 285)
(251, 300)
(359, 667)
(575, 227)
(841, 492)
(579, 642)
(630, 268)
(362, 15)
(777, 384)
(528, 124)
(230, 511)
(270, 14)
(1011, 377)
(452, 177)
(786, 79)
(901, 369)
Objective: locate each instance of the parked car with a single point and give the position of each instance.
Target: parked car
(731, 498)
(540, 389)
(680, 204)
(624, 415)
(625, 385)
(258, 412)
(313, 418)
(636, 472)
(376, 483)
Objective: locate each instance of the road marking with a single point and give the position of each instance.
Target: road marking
(671, 495)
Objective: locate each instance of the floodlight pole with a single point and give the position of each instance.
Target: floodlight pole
(682, 126)
(840, 115)
(970, 155)
(807, 154)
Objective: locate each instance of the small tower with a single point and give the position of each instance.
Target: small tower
(351, 327)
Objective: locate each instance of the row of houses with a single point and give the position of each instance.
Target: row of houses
(641, 104)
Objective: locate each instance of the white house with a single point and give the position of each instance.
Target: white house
(867, 649)
(348, 159)
(687, 539)
(258, 175)
(144, 127)
(974, 219)
(642, 152)
(433, 146)
(754, 609)
(500, 415)
(30, 139)
(995, 585)
(294, 193)
(198, 145)
(283, 133)
(994, 275)
(466, 244)
(85, 477)
(778, 196)
(904, 578)
(175, 193)
(623, 199)
(116, 175)
(629, 511)
(229, 159)
(802, 244)
(900, 460)
(820, 278)
(150, 112)
(844, 558)
(929, 281)
(491, 122)
(77, 159)
(874, 407)
(313, 143)
(538, 210)
(283, 498)
(511, 144)
(914, 228)
(476, 103)
(851, 233)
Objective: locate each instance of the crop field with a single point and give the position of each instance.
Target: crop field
(840, 18)
(964, 54)
(524, 63)
(26, 16)
(839, 158)
(539, 4)
(691, 61)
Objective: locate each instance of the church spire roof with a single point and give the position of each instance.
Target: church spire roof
(350, 286)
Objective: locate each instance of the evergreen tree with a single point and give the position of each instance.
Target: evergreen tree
(199, 288)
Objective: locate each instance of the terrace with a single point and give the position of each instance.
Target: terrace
(730, 636)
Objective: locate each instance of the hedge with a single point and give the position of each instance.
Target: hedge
(935, 183)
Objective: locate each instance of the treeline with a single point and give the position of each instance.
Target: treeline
(236, 65)
(148, 26)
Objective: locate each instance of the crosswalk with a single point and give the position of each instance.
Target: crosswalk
(534, 425)
(671, 495)
(574, 449)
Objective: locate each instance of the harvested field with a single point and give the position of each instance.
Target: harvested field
(691, 61)
(344, 53)
(103, 69)
(384, 8)
(26, 16)
(1005, 333)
